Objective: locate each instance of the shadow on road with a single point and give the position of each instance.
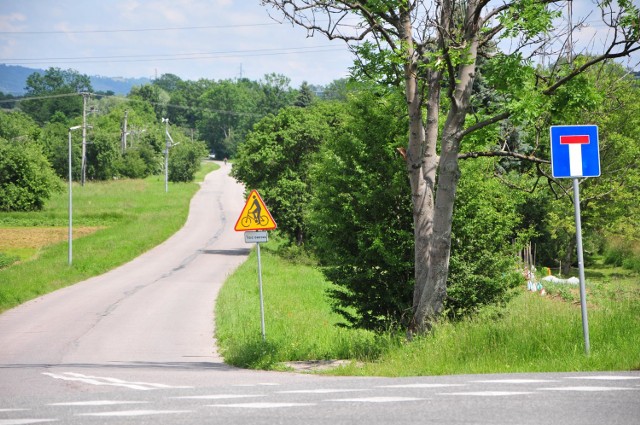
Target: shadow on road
(231, 252)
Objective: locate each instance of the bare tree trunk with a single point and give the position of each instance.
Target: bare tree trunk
(568, 256)
(432, 291)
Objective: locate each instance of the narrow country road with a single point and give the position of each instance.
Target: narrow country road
(156, 308)
(136, 346)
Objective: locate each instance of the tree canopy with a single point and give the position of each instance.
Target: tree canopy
(432, 51)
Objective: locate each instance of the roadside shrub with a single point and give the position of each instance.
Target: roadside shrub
(26, 177)
(184, 161)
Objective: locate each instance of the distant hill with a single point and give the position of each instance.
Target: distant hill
(13, 81)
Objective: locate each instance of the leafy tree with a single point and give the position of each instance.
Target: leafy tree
(227, 111)
(608, 203)
(26, 178)
(55, 146)
(103, 154)
(154, 95)
(305, 96)
(185, 160)
(275, 159)
(58, 91)
(336, 90)
(184, 102)
(362, 229)
(168, 82)
(430, 50)
(16, 125)
(276, 94)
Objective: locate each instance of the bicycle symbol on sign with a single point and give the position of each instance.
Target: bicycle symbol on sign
(254, 216)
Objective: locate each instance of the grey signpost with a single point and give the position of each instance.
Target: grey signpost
(254, 220)
(70, 250)
(259, 237)
(575, 154)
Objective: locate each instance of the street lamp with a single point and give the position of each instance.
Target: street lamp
(169, 143)
(71, 197)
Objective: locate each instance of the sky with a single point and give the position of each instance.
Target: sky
(193, 39)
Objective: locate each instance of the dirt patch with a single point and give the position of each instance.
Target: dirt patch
(37, 237)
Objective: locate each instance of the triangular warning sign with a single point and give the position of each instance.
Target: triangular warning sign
(255, 215)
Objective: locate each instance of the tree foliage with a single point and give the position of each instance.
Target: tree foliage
(275, 159)
(26, 178)
(360, 215)
(431, 50)
(58, 91)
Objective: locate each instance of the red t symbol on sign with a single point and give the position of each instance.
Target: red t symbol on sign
(574, 140)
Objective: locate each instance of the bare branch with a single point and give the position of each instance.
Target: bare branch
(482, 124)
(489, 154)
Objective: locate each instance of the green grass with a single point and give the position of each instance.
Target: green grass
(133, 216)
(533, 334)
(299, 322)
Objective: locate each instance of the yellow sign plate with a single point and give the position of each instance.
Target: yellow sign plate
(255, 215)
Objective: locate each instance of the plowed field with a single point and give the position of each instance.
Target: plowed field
(37, 237)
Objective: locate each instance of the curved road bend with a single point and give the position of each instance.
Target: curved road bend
(135, 345)
(155, 311)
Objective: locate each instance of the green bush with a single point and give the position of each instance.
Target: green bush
(26, 178)
(184, 161)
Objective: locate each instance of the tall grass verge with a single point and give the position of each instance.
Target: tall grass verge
(533, 334)
(132, 216)
(299, 322)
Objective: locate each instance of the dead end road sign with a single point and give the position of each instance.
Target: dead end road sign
(575, 151)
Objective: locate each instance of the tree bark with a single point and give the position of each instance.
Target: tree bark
(431, 283)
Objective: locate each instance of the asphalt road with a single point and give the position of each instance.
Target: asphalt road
(136, 346)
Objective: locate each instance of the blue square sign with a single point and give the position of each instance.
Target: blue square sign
(574, 151)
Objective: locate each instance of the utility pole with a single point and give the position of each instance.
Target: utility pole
(124, 132)
(83, 166)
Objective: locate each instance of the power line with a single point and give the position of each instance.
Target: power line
(230, 55)
(191, 55)
(138, 29)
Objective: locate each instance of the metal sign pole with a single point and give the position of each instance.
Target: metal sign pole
(261, 296)
(583, 292)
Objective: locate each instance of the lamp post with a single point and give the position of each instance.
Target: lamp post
(71, 198)
(169, 143)
(166, 154)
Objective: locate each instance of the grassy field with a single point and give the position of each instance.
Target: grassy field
(113, 222)
(533, 334)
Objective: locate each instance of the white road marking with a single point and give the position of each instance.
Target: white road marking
(605, 377)
(421, 386)
(106, 381)
(218, 396)
(12, 410)
(24, 421)
(262, 405)
(378, 399)
(135, 413)
(588, 389)
(489, 393)
(96, 403)
(516, 381)
(263, 384)
(321, 391)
